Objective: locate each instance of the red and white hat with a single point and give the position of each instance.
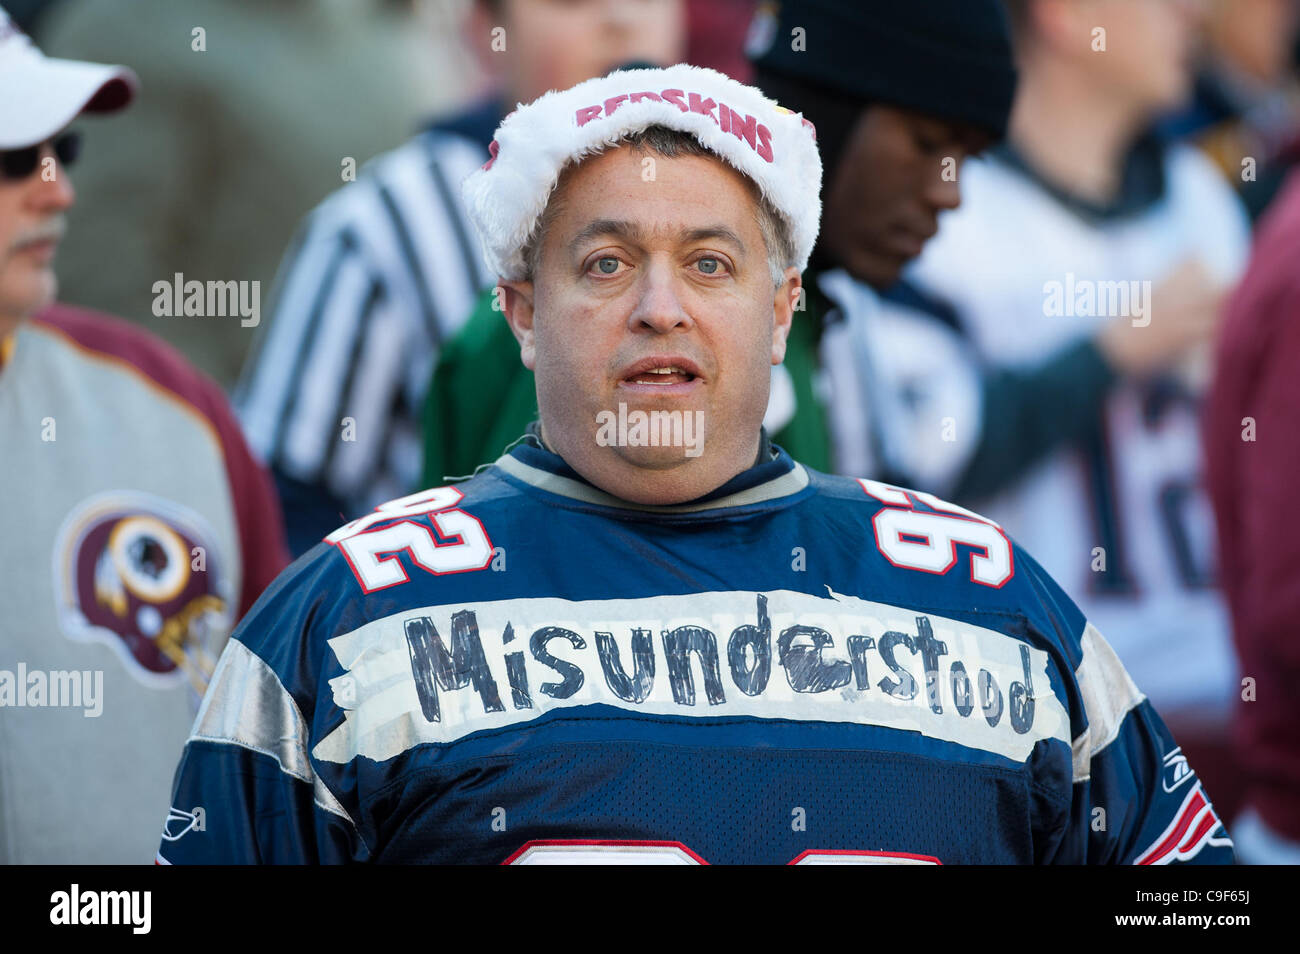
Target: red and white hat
(774, 147)
(40, 95)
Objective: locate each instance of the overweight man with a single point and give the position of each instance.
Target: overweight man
(645, 633)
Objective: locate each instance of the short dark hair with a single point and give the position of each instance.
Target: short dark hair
(671, 144)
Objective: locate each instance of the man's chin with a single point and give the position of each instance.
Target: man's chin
(658, 476)
(30, 297)
(658, 438)
(657, 458)
(881, 271)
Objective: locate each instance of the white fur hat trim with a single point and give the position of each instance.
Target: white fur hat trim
(771, 145)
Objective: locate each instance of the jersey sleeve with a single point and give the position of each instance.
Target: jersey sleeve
(937, 416)
(246, 790)
(1029, 413)
(1134, 797)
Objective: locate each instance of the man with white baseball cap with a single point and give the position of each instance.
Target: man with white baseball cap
(645, 633)
(41, 97)
(138, 528)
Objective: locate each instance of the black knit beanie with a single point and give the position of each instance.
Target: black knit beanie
(948, 58)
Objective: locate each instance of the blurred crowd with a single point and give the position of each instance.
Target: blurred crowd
(1080, 320)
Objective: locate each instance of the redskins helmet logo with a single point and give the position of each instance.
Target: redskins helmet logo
(139, 574)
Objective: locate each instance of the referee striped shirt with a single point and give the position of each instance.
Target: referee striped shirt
(379, 275)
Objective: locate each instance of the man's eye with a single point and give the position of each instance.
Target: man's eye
(709, 266)
(607, 265)
(928, 141)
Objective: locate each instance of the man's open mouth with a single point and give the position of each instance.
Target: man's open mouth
(661, 372)
(662, 376)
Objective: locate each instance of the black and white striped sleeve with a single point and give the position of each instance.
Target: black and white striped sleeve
(380, 275)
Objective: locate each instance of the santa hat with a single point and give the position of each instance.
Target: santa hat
(772, 146)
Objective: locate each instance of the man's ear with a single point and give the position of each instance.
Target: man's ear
(516, 300)
(789, 299)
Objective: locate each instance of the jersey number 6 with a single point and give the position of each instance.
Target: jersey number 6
(927, 541)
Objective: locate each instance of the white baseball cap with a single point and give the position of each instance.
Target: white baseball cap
(40, 95)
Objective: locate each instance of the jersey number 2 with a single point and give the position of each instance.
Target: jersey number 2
(372, 553)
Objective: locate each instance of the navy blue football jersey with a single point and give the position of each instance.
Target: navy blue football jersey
(794, 668)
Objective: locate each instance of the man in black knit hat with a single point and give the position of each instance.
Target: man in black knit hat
(901, 95)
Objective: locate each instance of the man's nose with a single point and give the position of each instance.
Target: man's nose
(943, 191)
(659, 306)
(618, 16)
(51, 189)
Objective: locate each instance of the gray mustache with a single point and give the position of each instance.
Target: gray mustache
(51, 230)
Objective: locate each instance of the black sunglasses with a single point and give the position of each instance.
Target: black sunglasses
(21, 163)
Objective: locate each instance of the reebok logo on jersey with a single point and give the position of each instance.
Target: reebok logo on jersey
(1176, 770)
(438, 674)
(180, 823)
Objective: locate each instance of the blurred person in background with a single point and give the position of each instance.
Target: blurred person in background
(1246, 104)
(1085, 268)
(715, 35)
(1253, 457)
(386, 269)
(138, 528)
(250, 114)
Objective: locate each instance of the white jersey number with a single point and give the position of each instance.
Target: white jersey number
(372, 553)
(927, 541)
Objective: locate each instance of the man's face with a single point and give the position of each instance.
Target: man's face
(1150, 49)
(889, 186)
(638, 273)
(31, 225)
(556, 44)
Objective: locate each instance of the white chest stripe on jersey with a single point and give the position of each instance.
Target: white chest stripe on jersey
(437, 674)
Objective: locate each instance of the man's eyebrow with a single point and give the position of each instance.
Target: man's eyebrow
(617, 228)
(714, 232)
(633, 232)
